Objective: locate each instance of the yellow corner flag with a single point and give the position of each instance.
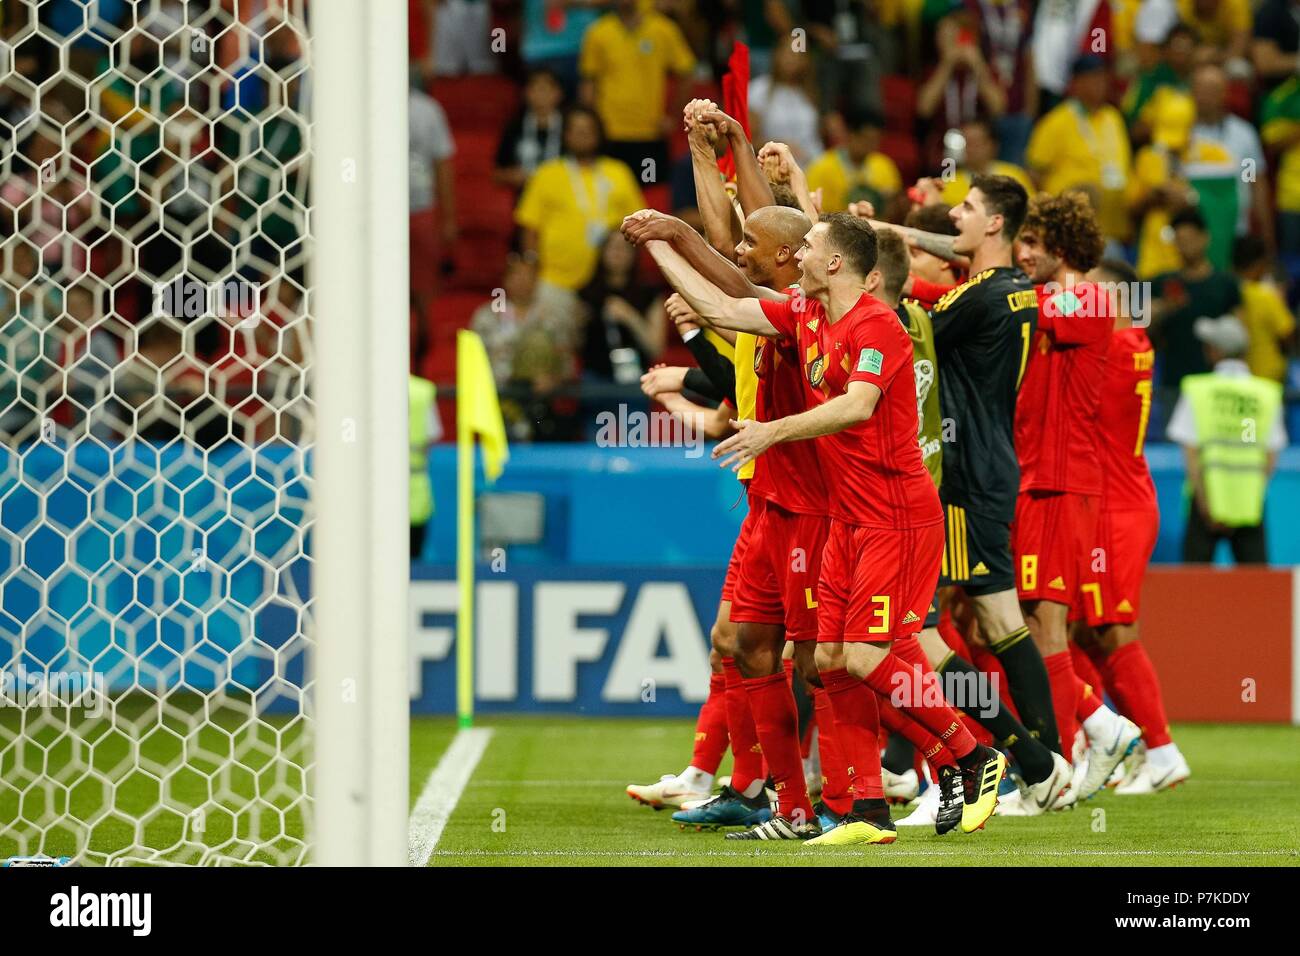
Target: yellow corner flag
(478, 412)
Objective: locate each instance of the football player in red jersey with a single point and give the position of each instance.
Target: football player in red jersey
(767, 597)
(885, 541)
(765, 255)
(774, 588)
(1060, 471)
(1111, 584)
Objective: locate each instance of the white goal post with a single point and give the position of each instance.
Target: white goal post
(362, 572)
(203, 461)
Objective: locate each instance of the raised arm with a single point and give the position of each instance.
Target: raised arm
(709, 302)
(721, 227)
(752, 187)
(648, 224)
(752, 438)
(780, 155)
(931, 242)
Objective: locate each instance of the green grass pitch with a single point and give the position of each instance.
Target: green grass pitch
(549, 792)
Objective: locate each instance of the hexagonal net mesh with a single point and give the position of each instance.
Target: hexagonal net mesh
(154, 431)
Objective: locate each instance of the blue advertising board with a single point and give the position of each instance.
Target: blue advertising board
(625, 640)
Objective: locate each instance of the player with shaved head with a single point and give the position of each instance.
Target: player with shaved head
(773, 591)
(764, 264)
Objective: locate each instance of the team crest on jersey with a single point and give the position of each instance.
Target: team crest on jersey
(817, 369)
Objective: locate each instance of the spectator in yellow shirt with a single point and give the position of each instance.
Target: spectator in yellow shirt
(627, 57)
(1263, 312)
(572, 202)
(980, 159)
(1083, 144)
(1222, 25)
(857, 170)
(1158, 190)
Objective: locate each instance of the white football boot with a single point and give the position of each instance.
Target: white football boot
(1150, 778)
(1014, 804)
(926, 812)
(1038, 798)
(670, 791)
(1107, 750)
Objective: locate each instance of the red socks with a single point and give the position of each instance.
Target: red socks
(1133, 683)
(938, 718)
(1086, 668)
(1087, 699)
(926, 743)
(777, 725)
(1063, 681)
(746, 754)
(857, 730)
(910, 650)
(835, 773)
(711, 727)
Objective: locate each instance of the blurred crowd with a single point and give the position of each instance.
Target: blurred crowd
(1180, 119)
(153, 197)
(144, 146)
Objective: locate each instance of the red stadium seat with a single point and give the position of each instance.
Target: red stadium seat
(476, 102)
(487, 209)
(898, 94)
(476, 151)
(903, 150)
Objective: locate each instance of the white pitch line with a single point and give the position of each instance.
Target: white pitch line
(442, 791)
(751, 854)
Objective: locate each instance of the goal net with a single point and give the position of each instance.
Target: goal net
(155, 428)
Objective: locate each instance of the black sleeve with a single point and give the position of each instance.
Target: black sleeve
(1270, 21)
(508, 146)
(699, 383)
(720, 371)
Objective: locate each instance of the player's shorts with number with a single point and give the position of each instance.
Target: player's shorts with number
(777, 580)
(977, 554)
(738, 552)
(1111, 570)
(877, 584)
(1051, 531)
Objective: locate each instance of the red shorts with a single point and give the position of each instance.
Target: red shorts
(877, 584)
(1051, 532)
(1112, 567)
(738, 555)
(777, 583)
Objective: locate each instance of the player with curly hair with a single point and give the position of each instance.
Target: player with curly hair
(1060, 471)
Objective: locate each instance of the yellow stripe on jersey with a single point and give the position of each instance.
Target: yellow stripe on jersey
(956, 558)
(725, 348)
(742, 358)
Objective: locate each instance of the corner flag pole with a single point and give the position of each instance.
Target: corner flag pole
(464, 550)
(478, 412)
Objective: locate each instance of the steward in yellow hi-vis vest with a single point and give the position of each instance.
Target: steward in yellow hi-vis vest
(1229, 423)
(1230, 412)
(422, 396)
